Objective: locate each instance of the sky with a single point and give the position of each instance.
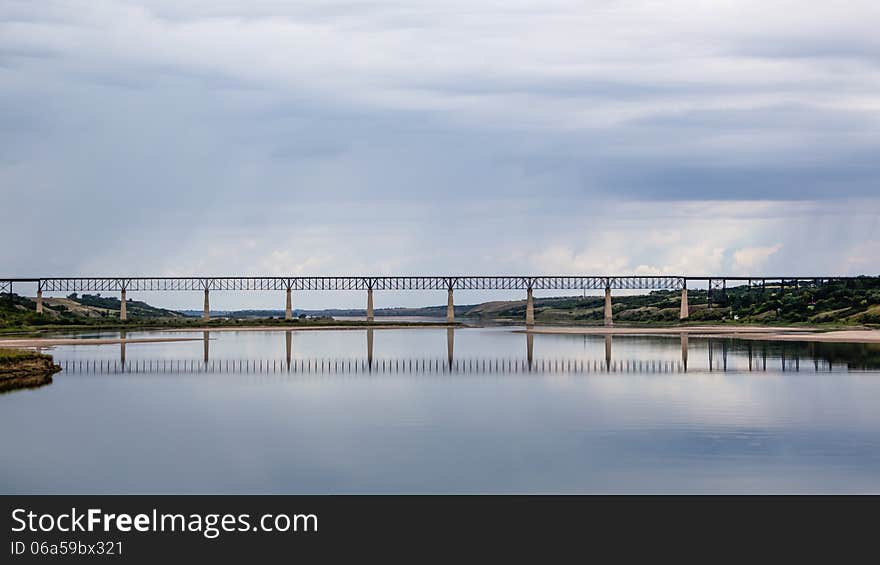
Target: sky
(325, 137)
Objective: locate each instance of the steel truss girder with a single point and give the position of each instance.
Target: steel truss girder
(115, 284)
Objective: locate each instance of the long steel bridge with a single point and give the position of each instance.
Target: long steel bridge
(118, 284)
(714, 284)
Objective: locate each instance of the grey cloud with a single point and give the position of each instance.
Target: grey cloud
(658, 181)
(781, 117)
(407, 161)
(833, 47)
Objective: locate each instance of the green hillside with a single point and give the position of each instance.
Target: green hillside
(847, 303)
(88, 309)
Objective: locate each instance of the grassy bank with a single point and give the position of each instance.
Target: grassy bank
(25, 369)
(9, 357)
(836, 305)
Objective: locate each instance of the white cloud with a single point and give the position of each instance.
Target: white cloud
(561, 259)
(750, 258)
(862, 258)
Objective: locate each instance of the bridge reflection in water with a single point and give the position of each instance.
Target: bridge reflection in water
(719, 354)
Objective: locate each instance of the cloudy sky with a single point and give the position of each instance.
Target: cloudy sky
(184, 137)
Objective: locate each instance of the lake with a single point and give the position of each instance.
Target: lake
(471, 410)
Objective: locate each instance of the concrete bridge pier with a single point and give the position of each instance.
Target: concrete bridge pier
(123, 314)
(39, 301)
(608, 312)
(370, 305)
(288, 307)
(450, 308)
(685, 311)
(530, 308)
(206, 313)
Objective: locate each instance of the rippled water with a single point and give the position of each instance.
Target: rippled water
(437, 411)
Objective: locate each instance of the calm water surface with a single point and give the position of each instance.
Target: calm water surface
(437, 411)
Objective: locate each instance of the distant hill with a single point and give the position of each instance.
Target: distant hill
(97, 305)
(427, 311)
(20, 311)
(853, 302)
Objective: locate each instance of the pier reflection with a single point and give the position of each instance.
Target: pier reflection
(205, 338)
(122, 338)
(684, 350)
(530, 349)
(450, 346)
(608, 339)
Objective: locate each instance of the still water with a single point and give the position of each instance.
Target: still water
(473, 410)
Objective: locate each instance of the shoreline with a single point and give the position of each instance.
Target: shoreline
(314, 328)
(767, 333)
(656, 330)
(50, 341)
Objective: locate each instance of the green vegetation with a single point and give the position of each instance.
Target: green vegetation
(8, 356)
(18, 315)
(843, 303)
(109, 306)
(17, 311)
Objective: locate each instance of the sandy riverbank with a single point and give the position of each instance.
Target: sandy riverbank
(740, 332)
(45, 342)
(623, 330)
(311, 328)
